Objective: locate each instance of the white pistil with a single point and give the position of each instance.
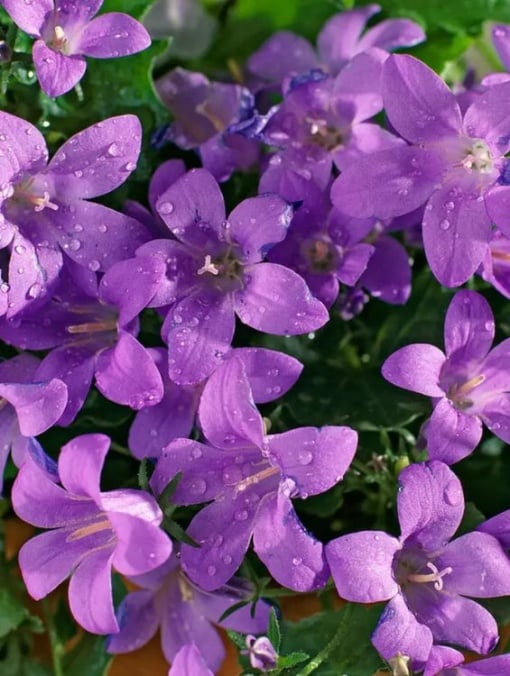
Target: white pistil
(255, 478)
(435, 576)
(41, 203)
(209, 267)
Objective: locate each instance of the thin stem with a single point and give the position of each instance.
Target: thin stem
(55, 645)
(323, 655)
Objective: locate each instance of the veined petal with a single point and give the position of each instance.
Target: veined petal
(501, 41)
(430, 504)
(38, 405)
(361, 565)
(292, 555)
(418, 103)
(391, 34)
(198, 330)
(398, 631)
(126, 374)
(138, 621)
(314, 458)
(497, 201)
(57, 73)
(98, 159)
(38, 500)
(80, 464)
(96, 236)
(499, 527)
(22, 145)
(223, 530)
(456, 233)
(227, 412)
(452, 434)
(194, 210)
(276, 300)
(455, 619)
(388, 183)
(189, 642)
(480, 567)
(388, 273)
(29, 17)
(111, 35)
(468, 327)
(140, 546)
(416, 368)
(258, 223)
(90, 594)
(488, 118)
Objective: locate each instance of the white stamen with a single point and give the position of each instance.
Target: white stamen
(43, 202)
(209, 267)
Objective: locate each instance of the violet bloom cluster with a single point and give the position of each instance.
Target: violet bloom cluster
(67, 32)
(249, 478)
(469, 384)
(425, 578)
(91, 531)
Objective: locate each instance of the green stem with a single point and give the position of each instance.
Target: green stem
(55, 645)
(329, 647)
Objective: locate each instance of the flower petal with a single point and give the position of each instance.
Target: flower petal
(81, 462)
(430, 504)
(430, 111)
(38, 406)
(23, 146)
(98, 159)
(497, 201)
(468, 327)
(292, 555)
(456, 233)
(29, 17)
(314, 458)
(276, 300)
(416, 368)
(90, 594)
(138, 621)
(487, 117)
(452, 434)
(399, 632)
(361, 565)
(112, 35)
(57, 73)
(388, 273)
(391, 34)
(281, 55)
(338, 40)
(140, 546)
(227, 413)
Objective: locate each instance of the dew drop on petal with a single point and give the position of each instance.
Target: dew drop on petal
(452, 493)
(227, 559)
(198, 487)
(444, 224)
(305, 457)
(241, 515)
(296, 561)
(94, 266)
(196, 453)
(211, 570)
(75, 244)
(166, 208)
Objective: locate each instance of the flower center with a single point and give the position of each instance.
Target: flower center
(321, 254)
(435, 576)
(58, 41)
(458, 393)
(478, 158)
(226, 269)
(323, 134)
(23, 194)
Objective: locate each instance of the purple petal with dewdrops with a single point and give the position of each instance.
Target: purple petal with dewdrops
(57, 73)
(29, 16)
(113, 35)
(294, 557)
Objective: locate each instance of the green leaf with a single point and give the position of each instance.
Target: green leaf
(288, 661)
(344, 635)
(88, 658)
(237, 639)
(12, 612)
(274, 633)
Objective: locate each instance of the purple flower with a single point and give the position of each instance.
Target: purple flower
(262, 654)
(185, 613)
(250, 477)
(189, 662)
(495, 266)
(92, 329)
(216, 271)
(203, 112)
(44, 208)
(270, 374)
(28, 406)
(444, 661)
(92, 531)
(469, 384)
(424, 577)
(67, 32)
(340, 39)
(452, 165)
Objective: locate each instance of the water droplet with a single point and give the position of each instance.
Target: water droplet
(166, 208)
(130, 166)
(296, 561)
(211, 570)
(4, 287)
(196, 453)
(94, 266)
(19, 249)
(241, 515)
(305, 457)
(34, 290)
(198, 487)
(452, 493)
(229, 439)
(113, 150)
(78, 228)
(102, 228)
(78, 173)
(227, 559)
(75, 244)
(444, 224)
